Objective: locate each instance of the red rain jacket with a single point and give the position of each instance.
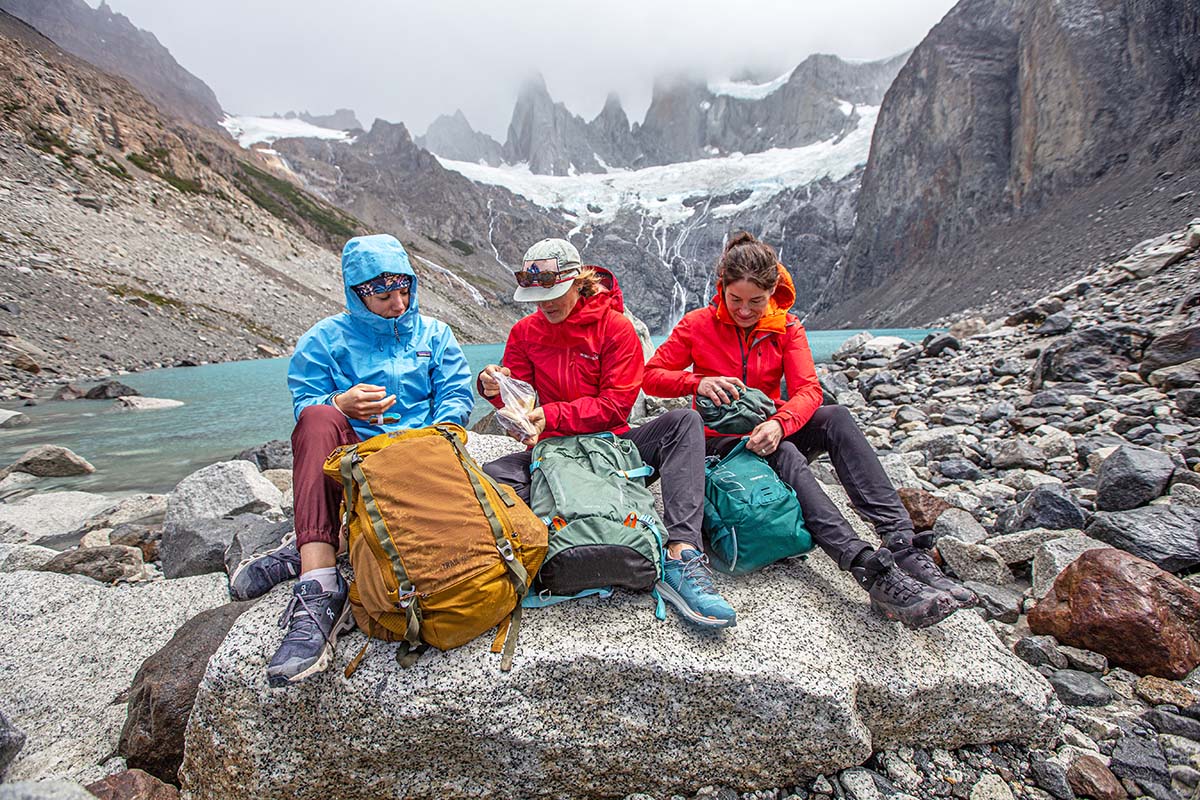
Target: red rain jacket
(777, 349)
(587, 369)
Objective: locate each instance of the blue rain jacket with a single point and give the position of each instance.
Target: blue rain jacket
(414, 357)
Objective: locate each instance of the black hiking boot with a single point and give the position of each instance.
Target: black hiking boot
(897, 595)
(916, 561)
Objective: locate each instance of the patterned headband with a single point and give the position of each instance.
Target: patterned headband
(386, 282)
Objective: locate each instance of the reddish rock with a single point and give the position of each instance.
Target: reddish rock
(1090, 778)
(1116, 604)
(133, 784)
(164, 689)
(923, 507)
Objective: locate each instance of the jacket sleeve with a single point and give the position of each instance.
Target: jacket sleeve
(451, 381)
(621, 370)
(312, 374)
(666, 371)
(804, 390)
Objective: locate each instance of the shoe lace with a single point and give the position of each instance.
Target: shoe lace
(697, 571)
(299, 622)
(898, 585)
(273, 557)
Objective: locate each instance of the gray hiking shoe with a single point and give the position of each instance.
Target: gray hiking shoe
(314, 618)
(919, 564)
(897, 595)
(262, 572)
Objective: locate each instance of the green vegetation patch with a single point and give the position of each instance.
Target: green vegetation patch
(288, 202)
(462, 247)
(48, 141)
(111, 167)
(124, 291)
(155, 162)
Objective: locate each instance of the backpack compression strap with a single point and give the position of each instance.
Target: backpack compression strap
(354, 480)
(520, 577)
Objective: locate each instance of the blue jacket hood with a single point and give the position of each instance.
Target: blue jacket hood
(366, 257)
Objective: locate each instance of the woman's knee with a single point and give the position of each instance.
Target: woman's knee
(320, 415)
(684, 418)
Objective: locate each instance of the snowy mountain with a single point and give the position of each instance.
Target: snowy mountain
(653, 201)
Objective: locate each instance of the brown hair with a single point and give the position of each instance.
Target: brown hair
(587, 281)
(746, 258)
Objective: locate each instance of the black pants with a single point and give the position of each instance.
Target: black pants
(833, 430)
(673, 444)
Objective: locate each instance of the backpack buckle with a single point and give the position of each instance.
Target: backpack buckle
(405, 600)
(506, 550)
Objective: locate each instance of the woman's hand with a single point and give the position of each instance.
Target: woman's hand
(537, 418)
(720, 390)
(491, 386)
(765, 438)
(364, 401)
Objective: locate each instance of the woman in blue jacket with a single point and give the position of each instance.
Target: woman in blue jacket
(379, 366)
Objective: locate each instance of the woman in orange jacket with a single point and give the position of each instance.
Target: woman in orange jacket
(747, 338)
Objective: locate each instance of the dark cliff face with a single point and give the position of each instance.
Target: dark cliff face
(546, 135)
(453, 137)
(1004, 118)
(112, 43)
(343, 119)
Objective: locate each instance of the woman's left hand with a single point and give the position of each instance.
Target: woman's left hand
(537, 418)
(765, 438)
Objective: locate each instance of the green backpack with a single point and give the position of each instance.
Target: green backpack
(590, 490)
(751, 517)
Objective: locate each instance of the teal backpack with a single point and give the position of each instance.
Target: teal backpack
(590, 490)
(751, 517)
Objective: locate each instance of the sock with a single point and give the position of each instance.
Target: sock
(326, 576)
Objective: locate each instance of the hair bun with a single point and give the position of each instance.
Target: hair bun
(740, 238)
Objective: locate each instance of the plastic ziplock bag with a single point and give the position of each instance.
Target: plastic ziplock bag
(519, 399)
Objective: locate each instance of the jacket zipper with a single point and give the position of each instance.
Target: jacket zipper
(745, 355)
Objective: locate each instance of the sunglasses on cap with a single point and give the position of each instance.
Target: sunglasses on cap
(544, 273)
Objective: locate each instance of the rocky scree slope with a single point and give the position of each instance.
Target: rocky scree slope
(1021, 143)
(110, 41)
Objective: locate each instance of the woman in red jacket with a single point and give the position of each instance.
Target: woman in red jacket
(583, 356)
(747, 338)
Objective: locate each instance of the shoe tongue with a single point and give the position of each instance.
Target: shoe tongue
(689, 554)
(309, 588)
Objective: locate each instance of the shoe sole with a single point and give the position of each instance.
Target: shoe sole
(245, 562)
(344, 624)
(933, 617)
(687, 612)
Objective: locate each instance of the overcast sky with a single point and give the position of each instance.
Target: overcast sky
(408, 62)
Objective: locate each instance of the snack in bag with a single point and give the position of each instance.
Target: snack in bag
(519, 399)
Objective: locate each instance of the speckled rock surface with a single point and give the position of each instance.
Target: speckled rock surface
(675, 708)
(49, 514)
(221, 489)
(24, 556)
(68, 648)
(44, 790)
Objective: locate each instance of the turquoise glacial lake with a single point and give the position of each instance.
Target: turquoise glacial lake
(227, 408)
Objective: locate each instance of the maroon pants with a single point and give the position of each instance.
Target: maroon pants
(316, 497)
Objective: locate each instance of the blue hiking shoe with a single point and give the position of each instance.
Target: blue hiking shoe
(687, 584)
(314, 618)
(262, 572)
